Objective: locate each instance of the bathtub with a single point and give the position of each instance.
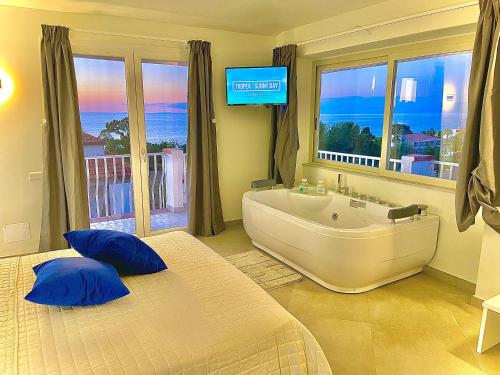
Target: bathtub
(346, 249)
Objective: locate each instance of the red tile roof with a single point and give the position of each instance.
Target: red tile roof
(111, 167)
(89, 139)
(418, 137)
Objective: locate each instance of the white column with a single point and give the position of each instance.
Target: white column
(174, 175)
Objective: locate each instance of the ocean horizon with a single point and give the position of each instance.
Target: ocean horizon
(160, 126)
(172, 126)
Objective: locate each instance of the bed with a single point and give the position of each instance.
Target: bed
(202, 316)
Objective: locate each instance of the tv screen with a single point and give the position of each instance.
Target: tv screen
(257, 86)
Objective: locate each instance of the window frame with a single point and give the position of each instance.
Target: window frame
(389, 56)
(130, 50)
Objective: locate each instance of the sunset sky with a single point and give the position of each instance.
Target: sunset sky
(102, 86)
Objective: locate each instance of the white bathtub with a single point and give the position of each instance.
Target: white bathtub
(358, 251)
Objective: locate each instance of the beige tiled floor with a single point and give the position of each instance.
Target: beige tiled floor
(415, 326)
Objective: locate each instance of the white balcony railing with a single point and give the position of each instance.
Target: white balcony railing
(440, 169)
(369, 161)
(446, 170)
(110, 185)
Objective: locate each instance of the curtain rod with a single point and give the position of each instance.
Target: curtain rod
(130, 35)
(390, 22)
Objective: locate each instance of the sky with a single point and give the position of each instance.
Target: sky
(358, 94)
(370, 81)
(354, 82)
(102, 86)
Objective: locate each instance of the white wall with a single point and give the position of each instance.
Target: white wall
(243, 133)
(457, 253)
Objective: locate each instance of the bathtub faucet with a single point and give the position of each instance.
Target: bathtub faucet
(263, 184)
(342, 187)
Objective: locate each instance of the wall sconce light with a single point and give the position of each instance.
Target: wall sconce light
(6, 86)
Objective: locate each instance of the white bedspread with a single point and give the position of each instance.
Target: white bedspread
(202, 316)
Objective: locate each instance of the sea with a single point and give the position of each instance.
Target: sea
(160, 126)
(418, 122)
(168, 126)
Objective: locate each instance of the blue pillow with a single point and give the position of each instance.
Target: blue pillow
(76, 282)
(127, 253)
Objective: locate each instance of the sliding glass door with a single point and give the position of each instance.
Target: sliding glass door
(134, 129)
(163, 126)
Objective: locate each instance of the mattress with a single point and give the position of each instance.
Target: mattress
(202, 316)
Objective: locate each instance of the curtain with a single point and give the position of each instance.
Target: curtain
(204, 204)
(65, 201)
(478, 184)
(284, 142)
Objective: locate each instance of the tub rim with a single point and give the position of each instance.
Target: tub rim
(370, 231)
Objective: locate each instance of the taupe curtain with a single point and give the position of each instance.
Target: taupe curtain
(478, 182)
(284, 142)
(65, 201)
(204, 204)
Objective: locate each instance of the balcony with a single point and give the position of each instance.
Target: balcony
(111, 191)
(414, 164)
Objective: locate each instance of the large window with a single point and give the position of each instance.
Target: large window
(418, 130)
(429, 115)
(102, 94)
(351, 115)
(165, 119)
(133, 111)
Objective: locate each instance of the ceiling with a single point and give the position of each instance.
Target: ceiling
(267, 17)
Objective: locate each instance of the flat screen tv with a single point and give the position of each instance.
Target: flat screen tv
(264, 85)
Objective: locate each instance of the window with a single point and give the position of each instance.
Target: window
(165, 120)
(133, 111)
(417, 130)
(351, 115)
(429, 115)
(102, 96)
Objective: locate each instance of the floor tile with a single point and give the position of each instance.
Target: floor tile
(418, 325)
(159, 221)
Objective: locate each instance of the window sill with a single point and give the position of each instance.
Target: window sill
(395, 177)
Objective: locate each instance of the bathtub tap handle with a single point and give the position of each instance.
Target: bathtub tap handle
(403, 212)
(261, 184)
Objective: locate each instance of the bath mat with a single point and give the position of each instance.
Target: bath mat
(265, 271)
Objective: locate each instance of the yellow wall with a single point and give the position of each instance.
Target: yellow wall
(457, 253)
(242, 132)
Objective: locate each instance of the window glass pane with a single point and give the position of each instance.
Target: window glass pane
(351, 115)
(165, 108)
(429, 115)
(102, 94)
